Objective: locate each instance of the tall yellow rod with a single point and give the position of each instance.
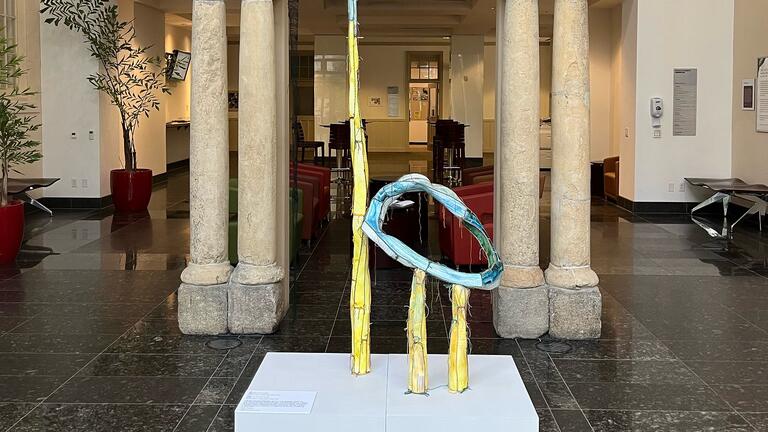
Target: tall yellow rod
(418, 372)
(458, 350)
(360, 298)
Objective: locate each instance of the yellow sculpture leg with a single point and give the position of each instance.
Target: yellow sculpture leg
(458, 361)
(360, 299)
(418, 376)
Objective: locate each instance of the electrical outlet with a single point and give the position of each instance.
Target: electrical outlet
(682, 187)
(91, 135)
(657, 133)
(73, 135)
(84, 183)
(671, 187)
(626, 132)
(74, 183)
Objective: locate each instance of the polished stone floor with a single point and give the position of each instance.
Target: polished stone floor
(89, 339)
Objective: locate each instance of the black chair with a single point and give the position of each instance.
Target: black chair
(317, 147)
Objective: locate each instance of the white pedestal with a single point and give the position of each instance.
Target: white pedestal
(496, 400)
(344, 403)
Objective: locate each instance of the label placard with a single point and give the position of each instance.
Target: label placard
(278, 402)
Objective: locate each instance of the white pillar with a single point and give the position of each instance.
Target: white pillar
(521, 304)
(203, 293)
(256, 300)
(575, 302)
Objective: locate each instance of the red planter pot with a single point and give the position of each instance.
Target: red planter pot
(131, 190)
(11, 231)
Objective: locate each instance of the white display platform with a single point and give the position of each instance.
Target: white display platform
(496, 400)
(344, 403)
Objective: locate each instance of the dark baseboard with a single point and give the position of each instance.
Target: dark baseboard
(473, 162)
(671, 208)
(66, 203)
(178, 165)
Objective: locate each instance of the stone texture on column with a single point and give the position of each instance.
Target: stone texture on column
(255, 293)
(203, 292)
(521, 305)
(574, 314)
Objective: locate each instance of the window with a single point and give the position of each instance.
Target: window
(425, 70)
(8, 20)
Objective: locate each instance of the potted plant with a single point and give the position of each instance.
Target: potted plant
(129, 77)
(16, 148)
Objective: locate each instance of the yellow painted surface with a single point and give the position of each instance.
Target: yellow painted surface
(418, 372)
(458, 361)
(360, 298)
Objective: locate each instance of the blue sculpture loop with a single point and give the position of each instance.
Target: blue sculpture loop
(397, 250)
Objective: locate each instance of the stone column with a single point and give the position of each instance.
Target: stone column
(256, 300)
(203, 292)
(521, 305)
(575, 301)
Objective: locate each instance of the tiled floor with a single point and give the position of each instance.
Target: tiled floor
(89, 339)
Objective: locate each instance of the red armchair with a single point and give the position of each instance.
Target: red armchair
(456, 243)
(324, 175)
(472, 176)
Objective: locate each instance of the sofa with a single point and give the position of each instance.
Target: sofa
(611, 178)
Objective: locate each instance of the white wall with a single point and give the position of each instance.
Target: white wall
(600, 62)
(69, 104)
(626, 104)
(750, 149)
(683, 34)
(467, 71)
(150, 135)
(176, 105)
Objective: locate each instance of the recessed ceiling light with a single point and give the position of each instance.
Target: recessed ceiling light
(447, 37)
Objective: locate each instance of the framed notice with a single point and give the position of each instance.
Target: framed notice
(761, 95)
(748, 95)
(685, 109)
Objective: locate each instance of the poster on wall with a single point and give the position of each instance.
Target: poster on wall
(393, 101)
(762, 95)
(748, 95)
(685, 102)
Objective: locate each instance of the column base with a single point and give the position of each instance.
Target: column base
(255, 308)
(250, 274)
(203, 309)
(206, 274)
(521, 312)
(575, 313)
(571, 277)
(522, 277)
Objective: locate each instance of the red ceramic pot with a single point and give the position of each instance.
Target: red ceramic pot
(11, 231)
(131, 190)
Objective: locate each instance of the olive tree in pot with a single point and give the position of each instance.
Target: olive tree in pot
(128, 75)
(16, 148)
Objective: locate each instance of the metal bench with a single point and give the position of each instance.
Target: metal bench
(726, 189)
(18, 188)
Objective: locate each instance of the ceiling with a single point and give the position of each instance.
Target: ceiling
(402, 18)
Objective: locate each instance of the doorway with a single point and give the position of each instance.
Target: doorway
(423, 94)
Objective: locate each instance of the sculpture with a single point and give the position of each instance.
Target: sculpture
(370, 225)
(458, 374)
